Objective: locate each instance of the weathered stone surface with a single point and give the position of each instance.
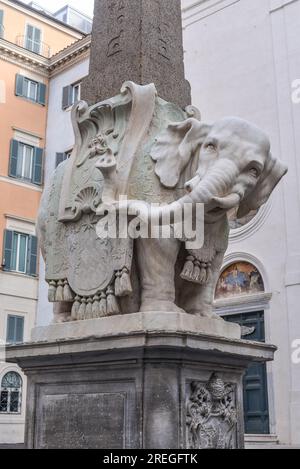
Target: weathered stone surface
(136, 390)
(141, 41)
(80, 419)
(137, 322)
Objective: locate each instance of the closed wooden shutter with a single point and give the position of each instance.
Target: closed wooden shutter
(19, 85)
(37, 172)
(32, 256)
(7, 250)
(42, 94)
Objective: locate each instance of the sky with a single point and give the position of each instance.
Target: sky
(86, 6)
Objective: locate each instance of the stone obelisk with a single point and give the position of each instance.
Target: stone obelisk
(141, 41)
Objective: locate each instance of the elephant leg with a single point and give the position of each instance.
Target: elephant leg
(62, 312)
(156, 263)
(198, 299)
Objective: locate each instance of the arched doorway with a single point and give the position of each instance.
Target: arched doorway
(239, 283)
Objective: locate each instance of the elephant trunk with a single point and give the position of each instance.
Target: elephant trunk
(216, 184)
(212, 191)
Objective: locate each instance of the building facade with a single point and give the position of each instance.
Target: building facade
(28, 39)
(243, 58)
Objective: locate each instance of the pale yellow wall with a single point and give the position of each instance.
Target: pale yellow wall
(14, 21)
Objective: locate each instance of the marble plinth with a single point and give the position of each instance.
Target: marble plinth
(129, 387)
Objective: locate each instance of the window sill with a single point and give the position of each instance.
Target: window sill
(21, 183)
(28, 100)
(19, 274)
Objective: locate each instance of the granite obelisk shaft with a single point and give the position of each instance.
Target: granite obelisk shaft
(137, 40)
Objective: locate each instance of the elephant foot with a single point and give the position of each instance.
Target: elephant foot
(160, 305)
(207, 314)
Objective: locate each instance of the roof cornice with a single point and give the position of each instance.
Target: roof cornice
(15, 54)
(72, 54)
(26, 9)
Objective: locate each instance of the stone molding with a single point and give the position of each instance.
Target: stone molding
(244, 232)
(201, 9)
(46, 67)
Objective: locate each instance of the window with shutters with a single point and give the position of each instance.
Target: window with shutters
(20, 253)
(71, 95)
(30, 89)
(15, 329)
(33, 39)
(26, 162)
(11, 393)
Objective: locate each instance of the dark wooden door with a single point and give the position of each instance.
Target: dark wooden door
(256, 406)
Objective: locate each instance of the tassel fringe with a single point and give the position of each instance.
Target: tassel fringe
(75, 308)
(112, 304)
(52, 291)
(60, 291)
(123, 285)
(68, 295)
(196, 271)
(103, 306)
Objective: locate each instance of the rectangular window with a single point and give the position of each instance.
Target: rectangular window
(20, 253)
(26, 162)
(33, 39)
(15, 329)
(71, 95)
(76, 92)
(31, 89)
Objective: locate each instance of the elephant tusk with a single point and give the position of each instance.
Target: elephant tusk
(228, 202)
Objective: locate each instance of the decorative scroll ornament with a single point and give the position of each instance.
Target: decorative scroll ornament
(211, 415)
(82, 269)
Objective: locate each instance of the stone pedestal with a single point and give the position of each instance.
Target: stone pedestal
(153, 380)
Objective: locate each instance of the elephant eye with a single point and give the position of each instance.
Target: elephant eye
(254, 172)
(210, 146)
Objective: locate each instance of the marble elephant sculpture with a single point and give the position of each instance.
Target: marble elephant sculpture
(225, 165)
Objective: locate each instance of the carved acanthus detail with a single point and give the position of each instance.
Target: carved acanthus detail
(211, 415)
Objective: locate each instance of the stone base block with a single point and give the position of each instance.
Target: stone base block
(153, 389)
(138, 322)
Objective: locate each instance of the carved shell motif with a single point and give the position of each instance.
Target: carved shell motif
(86, 201)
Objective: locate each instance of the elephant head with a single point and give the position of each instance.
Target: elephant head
(233, 165)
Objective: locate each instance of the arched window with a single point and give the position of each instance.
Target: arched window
(11, 393)
(240, 278)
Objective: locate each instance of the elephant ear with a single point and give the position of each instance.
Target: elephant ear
(273, 172)
(174, 148)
